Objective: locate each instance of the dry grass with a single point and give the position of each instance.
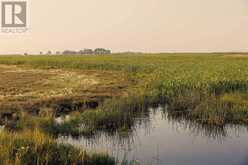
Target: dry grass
(26, 86)
(34, 147)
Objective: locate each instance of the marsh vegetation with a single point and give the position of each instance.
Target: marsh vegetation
(108, 93)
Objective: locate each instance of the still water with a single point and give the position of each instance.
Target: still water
(160, 139)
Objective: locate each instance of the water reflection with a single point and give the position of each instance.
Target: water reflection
(180, 121)
(159, 137)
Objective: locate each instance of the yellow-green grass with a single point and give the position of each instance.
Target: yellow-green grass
(34, 147)
(186, 81)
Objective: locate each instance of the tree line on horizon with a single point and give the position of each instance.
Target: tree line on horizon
(98, 51)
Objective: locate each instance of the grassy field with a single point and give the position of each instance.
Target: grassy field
(106, 92)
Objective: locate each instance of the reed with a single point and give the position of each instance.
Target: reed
(35, 147)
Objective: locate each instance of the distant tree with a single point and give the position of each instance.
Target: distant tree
(49, 52)
(41, 53)
(88, 51)
(102, 51)
(25, 54)
(81, 52)
(69, 52)
(58, 52)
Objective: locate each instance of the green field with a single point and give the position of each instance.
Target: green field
(106, 92)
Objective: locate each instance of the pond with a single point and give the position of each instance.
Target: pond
(159, 138)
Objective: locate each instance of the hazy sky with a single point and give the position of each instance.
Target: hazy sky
(133, 25)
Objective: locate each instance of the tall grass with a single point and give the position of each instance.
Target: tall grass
(191, 82)
(34, 147)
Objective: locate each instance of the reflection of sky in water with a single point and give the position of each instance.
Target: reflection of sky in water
(163, 141)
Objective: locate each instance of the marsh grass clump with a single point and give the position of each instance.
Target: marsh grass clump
(217, 111)
(228, 86)
(114, 115)
(31, 147)
(34, 147)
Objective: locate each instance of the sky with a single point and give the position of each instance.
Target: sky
(132, 25)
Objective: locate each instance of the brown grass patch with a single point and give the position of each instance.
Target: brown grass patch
(21, 86)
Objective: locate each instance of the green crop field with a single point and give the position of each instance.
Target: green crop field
(103, 92)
